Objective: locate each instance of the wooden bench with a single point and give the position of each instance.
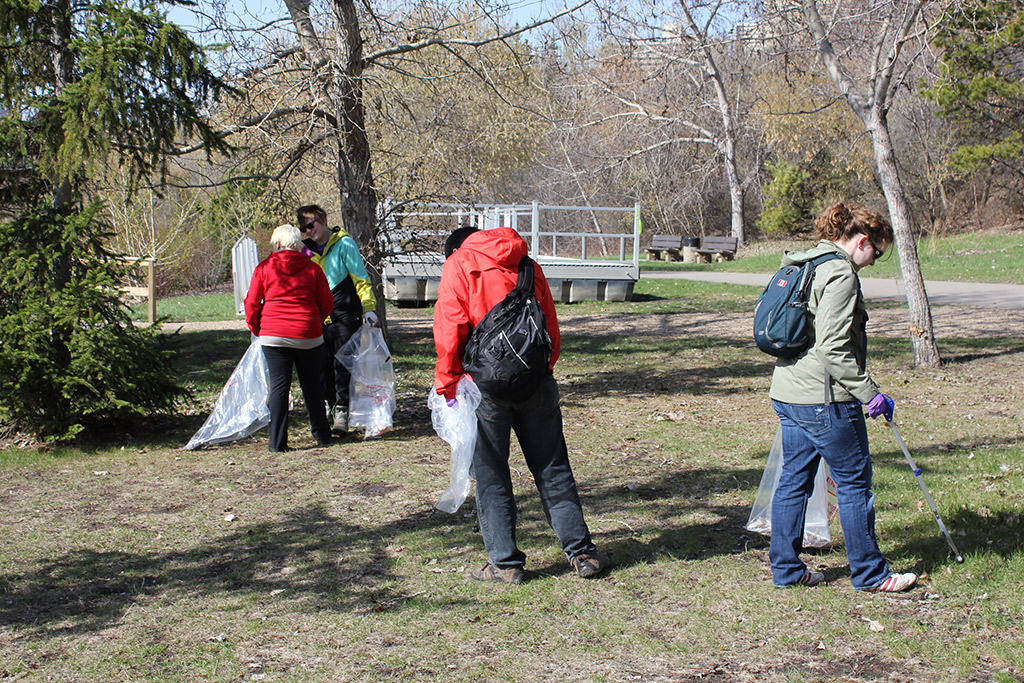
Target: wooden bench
(670, 244)
(717, 248)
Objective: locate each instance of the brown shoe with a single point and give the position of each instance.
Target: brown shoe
(588, 565)
(489, 572)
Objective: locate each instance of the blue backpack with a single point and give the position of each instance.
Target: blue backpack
(780, 316)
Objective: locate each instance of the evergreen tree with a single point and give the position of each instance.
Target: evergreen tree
(83, 84)
(982, 86)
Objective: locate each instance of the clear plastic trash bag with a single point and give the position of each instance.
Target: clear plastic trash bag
(371, 404)
(457, 426)
(821, 508)
(241, 409)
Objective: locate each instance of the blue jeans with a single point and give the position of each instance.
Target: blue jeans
(837, 433)
(537, 422)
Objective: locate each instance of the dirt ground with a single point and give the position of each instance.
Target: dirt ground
(949, 322)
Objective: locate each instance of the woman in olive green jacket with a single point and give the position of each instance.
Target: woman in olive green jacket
(818, 395)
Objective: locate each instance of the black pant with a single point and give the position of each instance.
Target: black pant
(334, 376)
(307, 363)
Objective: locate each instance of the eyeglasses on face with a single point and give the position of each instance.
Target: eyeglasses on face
(874, 248)
(308, 226)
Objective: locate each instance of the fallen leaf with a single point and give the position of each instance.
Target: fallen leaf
(873, 625)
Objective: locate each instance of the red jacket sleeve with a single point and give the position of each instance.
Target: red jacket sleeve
(324, 298)
(451, 328)
(254, 301)
(547, 304)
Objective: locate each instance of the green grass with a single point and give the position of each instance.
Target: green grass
(971, 257)
(119, 563)
(191, 308)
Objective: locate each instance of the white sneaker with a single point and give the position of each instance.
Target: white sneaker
(896, 583)
(811, 579)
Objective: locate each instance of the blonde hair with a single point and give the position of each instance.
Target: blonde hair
(286, 237)
(839, 223)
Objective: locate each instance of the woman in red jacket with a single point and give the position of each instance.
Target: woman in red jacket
(287, 302)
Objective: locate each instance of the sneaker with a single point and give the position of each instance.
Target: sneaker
(489, 572)
(588, 565)
(340, 418)
(896, 583)
(811, 579)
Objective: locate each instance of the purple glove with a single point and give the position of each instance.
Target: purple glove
(881, 405)
(452, 402)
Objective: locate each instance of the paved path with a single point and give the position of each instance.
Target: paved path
(965, 293)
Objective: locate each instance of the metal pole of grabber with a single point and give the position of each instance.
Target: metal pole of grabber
(927, 496)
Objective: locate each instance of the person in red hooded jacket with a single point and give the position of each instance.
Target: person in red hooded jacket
(481, 267)
(288, 300)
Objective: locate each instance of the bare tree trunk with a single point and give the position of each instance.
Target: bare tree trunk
(62, 192)
(922, 338)
(727, 146)
(340, 84)
(870, 100)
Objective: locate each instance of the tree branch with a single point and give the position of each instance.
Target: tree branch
(369, 60)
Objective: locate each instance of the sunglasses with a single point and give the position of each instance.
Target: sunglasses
(878, 252)
(307, 227)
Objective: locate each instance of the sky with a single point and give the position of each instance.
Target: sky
(257, 13)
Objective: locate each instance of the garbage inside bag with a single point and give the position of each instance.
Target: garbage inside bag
(241, 409)
(457, 426)
(372, 387)
(821, 508)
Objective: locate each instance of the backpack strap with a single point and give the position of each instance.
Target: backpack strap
(524, 281)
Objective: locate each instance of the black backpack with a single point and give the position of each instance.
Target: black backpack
(508, 352)
(780, 316)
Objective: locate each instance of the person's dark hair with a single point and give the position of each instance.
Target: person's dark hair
(456, 239)
(311, 210)
(839, 222)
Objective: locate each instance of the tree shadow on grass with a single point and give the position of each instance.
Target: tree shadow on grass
(338, 565)
(954, 350)
(656, 376)
(966, 350)
(974, 532)
(345, 565)
(710, 529)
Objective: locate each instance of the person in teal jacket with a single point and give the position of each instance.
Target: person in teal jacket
(818, 397)
(337, 253)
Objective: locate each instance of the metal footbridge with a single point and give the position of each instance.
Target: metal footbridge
(588, 253)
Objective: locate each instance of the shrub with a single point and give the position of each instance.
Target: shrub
(786, 200)
(69, 355)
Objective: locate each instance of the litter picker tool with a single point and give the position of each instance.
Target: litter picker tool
(927, 496)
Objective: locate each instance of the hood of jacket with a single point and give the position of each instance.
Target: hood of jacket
(823, 247)
(498, 248)
(287, 262)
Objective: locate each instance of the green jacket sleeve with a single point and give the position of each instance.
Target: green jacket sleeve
(837, 336)
(344, 260)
